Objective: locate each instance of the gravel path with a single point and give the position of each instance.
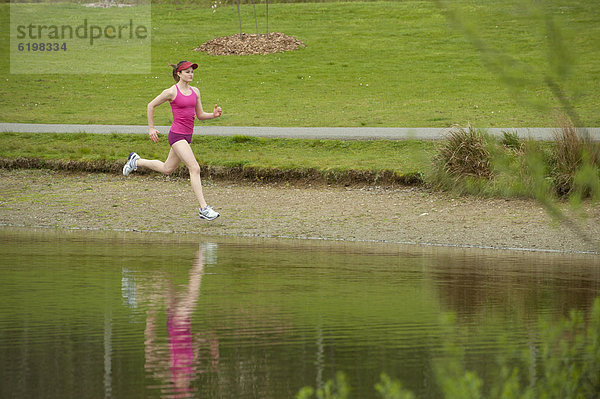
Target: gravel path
(43, 198)
(341, 133)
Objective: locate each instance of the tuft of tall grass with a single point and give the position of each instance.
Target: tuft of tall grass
(465, 153)
(463, 160)
(573, 152)
(511, 140)
(473, 162)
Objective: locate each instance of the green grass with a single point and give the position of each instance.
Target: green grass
(365, 64)
(402, 157)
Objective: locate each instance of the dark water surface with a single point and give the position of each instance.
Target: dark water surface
(127, 315)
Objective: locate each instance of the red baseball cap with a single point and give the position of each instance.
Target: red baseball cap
(186, 65)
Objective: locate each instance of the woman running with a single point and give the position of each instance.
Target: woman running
(186, 104)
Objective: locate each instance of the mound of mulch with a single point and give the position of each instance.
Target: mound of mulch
(245, 44)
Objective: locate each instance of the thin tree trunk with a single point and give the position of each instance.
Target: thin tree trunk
(255, 20)
(240, 18)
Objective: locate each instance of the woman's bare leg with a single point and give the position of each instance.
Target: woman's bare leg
(166, 167)
(184, 152)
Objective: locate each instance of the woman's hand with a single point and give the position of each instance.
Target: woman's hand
(217, 111)
(153, 133)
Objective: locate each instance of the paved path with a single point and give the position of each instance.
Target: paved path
(390, 133)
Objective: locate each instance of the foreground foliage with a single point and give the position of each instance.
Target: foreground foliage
(566, 365)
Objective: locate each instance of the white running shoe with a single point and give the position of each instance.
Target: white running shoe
(209, 252)
(208, 213)
(131, 164)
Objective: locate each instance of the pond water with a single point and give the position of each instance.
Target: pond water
(130, 315)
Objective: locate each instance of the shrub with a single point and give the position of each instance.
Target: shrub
(473, 162)
(464, 153)
(511, 140)
(463, 162)
(338, 389)
(573, 152)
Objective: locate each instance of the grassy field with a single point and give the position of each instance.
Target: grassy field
(365, 64)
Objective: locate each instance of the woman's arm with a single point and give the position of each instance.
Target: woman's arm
(166, 95)
(200, 114)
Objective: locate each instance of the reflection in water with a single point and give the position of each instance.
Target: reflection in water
(135, 316)
(472, 286)
(178, 364)
(108, 354)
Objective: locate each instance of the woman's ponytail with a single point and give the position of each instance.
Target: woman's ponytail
(175, 76)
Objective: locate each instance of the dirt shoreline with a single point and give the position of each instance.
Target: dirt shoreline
(46, 198)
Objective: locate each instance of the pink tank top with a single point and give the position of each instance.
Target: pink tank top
(184, 112)
(182, 353)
